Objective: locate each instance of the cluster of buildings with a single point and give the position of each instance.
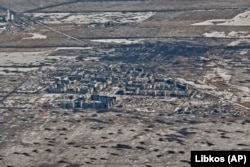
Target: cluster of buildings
(83, 88)
(98, 87)
(7, 17)
(4, 19)
(154, 87)
(88, 102)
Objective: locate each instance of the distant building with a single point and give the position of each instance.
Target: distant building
(12, 17)
(6, 17)
(94, 102)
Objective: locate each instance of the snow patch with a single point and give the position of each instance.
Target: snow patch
(20, 69)
(244, 52)
(242, 35)
(215, 34)
(92, 59)
(197, 85)
(36, 36)
(119, 41)
(72, 48)
(242, 19)
(239, 41)
(223, 74)
(2, 27)
(232, 34)
(10, 58)
(92, 18)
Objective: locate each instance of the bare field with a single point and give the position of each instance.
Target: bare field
(24, 5)
(147, 5)
(78, 140)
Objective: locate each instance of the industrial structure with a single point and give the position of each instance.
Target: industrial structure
(7, 17)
